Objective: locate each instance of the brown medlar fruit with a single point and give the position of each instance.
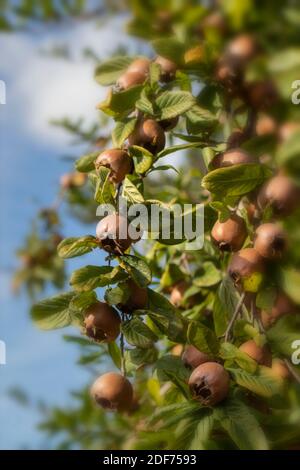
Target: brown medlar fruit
(130, 79)
(245, 265)
(261, 354)
(236, 138)
(283, 305)
(228, 77)
(280, 369)
(148, 134)
(118, 161)
(231, 157)
(140, 65)
(168, 68)
(138, 297)
(177, 293)
(281, 194)
(270, 241)
(112, 392)
(231, 234)
(209, 383)
(265, 125)
(113, 233)
(241, 50)
(169, 124)
(261, 95)
(102, 322)
(193, 358)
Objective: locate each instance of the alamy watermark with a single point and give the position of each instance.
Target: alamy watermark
(158, 222)
(2, 92)
(2, 353)
(296, 93)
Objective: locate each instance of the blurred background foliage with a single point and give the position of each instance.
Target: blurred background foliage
(181, 31)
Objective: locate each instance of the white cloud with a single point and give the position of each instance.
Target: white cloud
(43, 88)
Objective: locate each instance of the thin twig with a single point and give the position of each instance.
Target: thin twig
(292, 371)
(122, 348)
(234, 316)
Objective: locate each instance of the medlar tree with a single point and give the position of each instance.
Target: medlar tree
(217, 88)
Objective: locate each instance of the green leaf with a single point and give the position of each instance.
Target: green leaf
(265, 298)
(92, 277)
(142, 158)
(171, 368)
(170, 48)
(81, 302)
(137, 269)
(235, 180)
(138, 334)
(72, 247)
(131, 192)
(121, 103)
(225, 303)
(203, 338)
(229, 352)
(108, 72)
(283, 334)
(289, 152)
(263, 382)
(141, 357)
(86, 163)
(241, 425)
(115, 354)
(117, 296)
(104, 192)
(90, 358)
(164, 168)
(199, 119)
(53, 313)
(178, 148)
(144, 104)
(210, 277)
(290, 281)
(122, 131)
(202, 432)
(174, 103)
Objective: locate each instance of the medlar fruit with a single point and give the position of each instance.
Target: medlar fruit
(231, 234)
(148, 134)
(140, 65)
(168, 68)
(138, 297)
(283, 305)
(130, 79)
(270, 241)
(246, 269)
(169, 124)
(102, 322)
(236, 138)
(261, 95)
(72, 180)
(209, 383)
(231, 157)
(281, 194)
(261, 354)
(280, 369)
(177, 293)
(113, 233)
(241, 50)
(112, 392)
(193, 358)
(265, 125)
(118, 161)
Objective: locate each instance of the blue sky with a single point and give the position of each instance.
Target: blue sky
(39, 88)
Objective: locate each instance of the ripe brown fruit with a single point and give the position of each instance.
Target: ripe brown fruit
(270, 241)
(168, 68)
(138, 297)
(177, 293)
(282, 306)
(231, 234)
(193, 358)
(280, 369)
(130, 79)
(148, 134)
(241, 50)
(113, 233)
(265, 125)
(228, 77)
(236, 138)
(231, 157)
(244, 265)
(209, 383)
(214, 20)
(281, 194)
(118, 161)
(140, 65)
(261, 95)
(261, 354)
(112, 392)
(102, 323)
(169, 124)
